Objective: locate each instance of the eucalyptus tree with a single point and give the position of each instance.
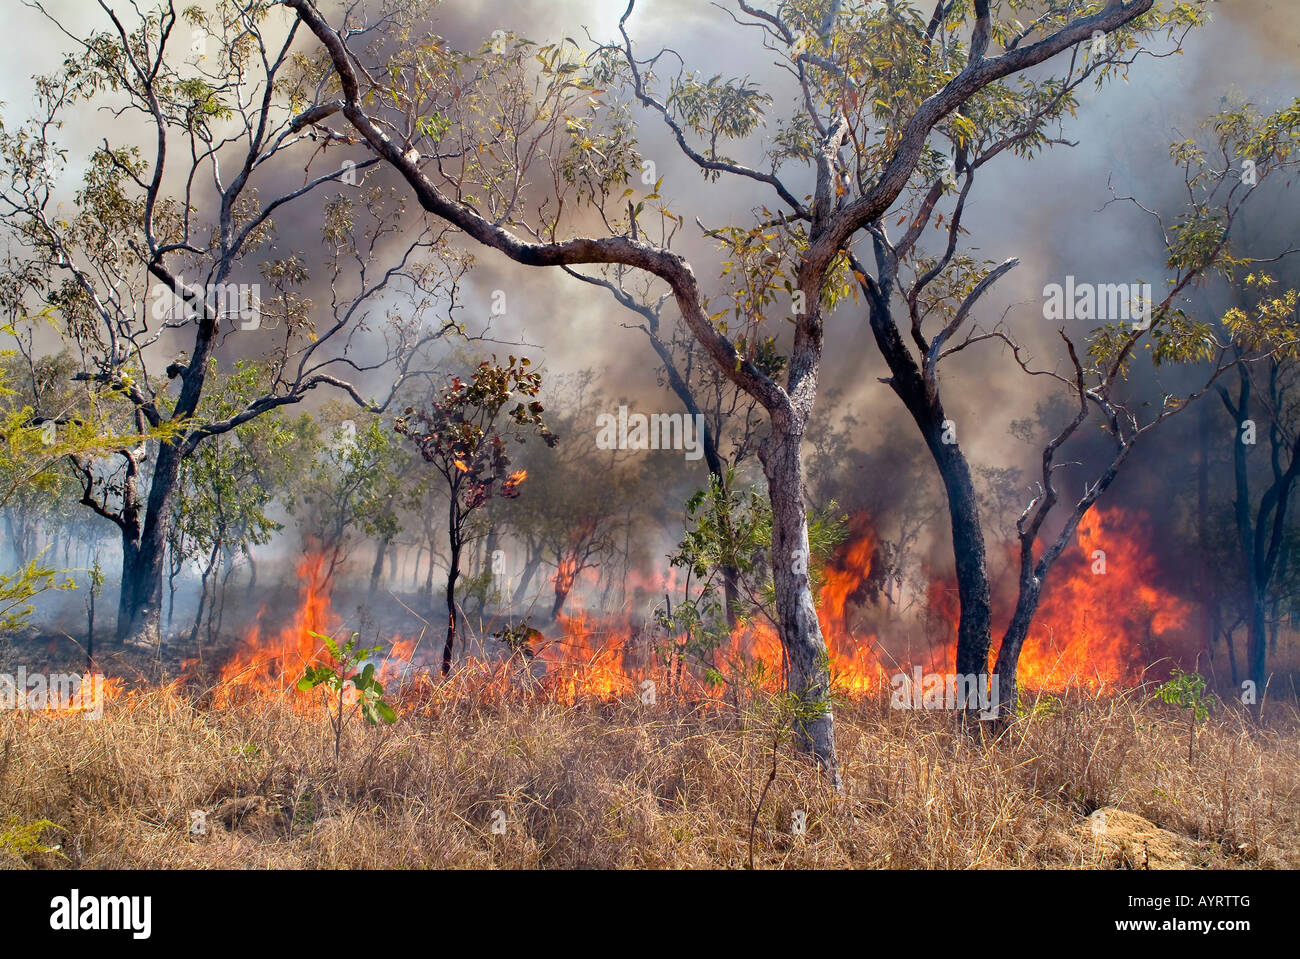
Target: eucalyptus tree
(922, 310)
(168, 254)
(512, 144)
(227, 490)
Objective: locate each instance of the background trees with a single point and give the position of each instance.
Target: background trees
(350, 488)
(226, 491)
(170, 247)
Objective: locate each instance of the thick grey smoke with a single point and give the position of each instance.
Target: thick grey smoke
(1048, 212)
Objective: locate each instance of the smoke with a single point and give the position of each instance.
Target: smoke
(1054, 213)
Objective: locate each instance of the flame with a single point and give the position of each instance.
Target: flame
(1092, 628)
(274, 663)
(1104, 617)
(566, 572)
(590, 660)
(854, 666)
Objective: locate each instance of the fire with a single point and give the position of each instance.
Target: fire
(854, 667)
(1104, 617)
(566, 573)
(275, 662)
(1095, 628)
(589, 661)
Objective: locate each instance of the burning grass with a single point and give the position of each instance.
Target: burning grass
(546, 755)
(623, 784)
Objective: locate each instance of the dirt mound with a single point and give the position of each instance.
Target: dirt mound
(1127, 841)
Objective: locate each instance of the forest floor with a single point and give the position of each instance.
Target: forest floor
(1082, 780)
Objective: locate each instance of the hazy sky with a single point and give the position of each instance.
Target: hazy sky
(1045, 211)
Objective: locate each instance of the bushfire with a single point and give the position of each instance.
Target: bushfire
(1104, 620)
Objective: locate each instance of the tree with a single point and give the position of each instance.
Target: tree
(33, 451)
(351, 490)
(1260, 525)
(582, 142)
(225, 490)
(464, 431)
(154, 267)
(1200, 246)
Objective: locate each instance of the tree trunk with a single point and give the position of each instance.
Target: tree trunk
(1257, 648)
(377, 571)
(90, 628)
(731, 594)
(730, 575)
(561, 594)
(140, 603)
(1012, 641)
(428, 575)
(807, 661)
(16, 539)
(1208, 594)
(974, 626)
(531, 565)
(125, 610)
(453, 573)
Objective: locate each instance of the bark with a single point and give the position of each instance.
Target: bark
(130, 551)
(1257, 648)
(1013, 640)
(455, 527)
(807, 661)
(142, 576)
(531, 565)
(453, 573)
(974, 627)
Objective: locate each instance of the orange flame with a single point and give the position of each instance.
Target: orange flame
(1104, 617)
(1096, 628)
(275, 662)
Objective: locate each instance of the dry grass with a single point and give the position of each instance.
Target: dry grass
(625, 785)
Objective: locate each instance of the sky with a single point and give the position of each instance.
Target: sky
(1048, 212)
